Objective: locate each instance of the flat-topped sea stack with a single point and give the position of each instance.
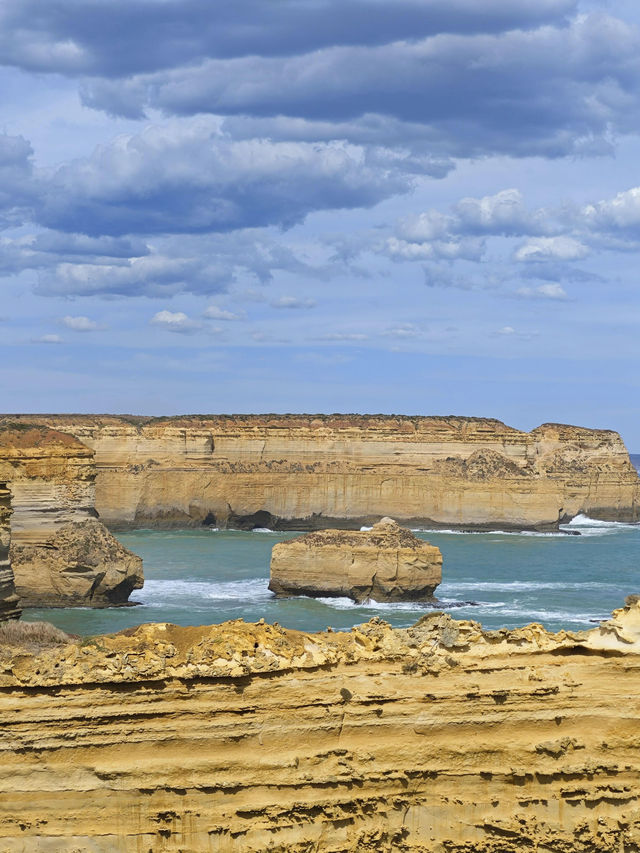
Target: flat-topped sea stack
(385, 563)
(9, 604)
(61, 555)
(308, 472)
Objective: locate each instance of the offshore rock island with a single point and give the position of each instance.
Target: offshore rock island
(243, 738)
(385, 563)
(310, 472)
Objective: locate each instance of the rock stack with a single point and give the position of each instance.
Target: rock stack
(9, 604)
(61, 555)
(385, 563)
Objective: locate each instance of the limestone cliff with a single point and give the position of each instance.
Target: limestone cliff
(60, 554)
(385, 563)
(9, 604)
(308, 472)
(439, 738)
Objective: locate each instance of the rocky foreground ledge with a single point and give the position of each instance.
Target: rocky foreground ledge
(441, 738)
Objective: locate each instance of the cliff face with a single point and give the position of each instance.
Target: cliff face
(311, 472)
(385, 563)
(9, 604)
(52, 480)
(60, 553)
(245, 738)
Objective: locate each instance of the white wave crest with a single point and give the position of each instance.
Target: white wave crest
(454, 587)
(582, 520)
(448, 532)
(184, 593)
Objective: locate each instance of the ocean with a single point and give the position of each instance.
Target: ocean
(196, 577)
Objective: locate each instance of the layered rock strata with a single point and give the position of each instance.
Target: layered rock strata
(9, 603)
(60, 554)
(439, 738)
(385, 563)
(79, 565)
(311, 472)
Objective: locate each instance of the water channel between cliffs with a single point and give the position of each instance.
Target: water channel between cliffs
(196, 577)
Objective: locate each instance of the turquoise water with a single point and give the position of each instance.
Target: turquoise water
(198, 577)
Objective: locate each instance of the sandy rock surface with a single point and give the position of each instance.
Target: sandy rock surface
(385, 563)
(244, 738)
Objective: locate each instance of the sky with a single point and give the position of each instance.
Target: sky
(418, 207)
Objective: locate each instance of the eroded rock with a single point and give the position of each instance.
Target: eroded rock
(385, 563)
(9, 604)
(80, 564)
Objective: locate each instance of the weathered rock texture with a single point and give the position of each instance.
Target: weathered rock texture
(386, 563)
(248, 738)
(81, 564)
(309, 472)
(9, 604)
(60, 554)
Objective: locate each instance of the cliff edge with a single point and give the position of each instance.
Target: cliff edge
(306, 472)
(243, 738)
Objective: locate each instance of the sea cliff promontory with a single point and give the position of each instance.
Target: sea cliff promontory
(9, 604)
(243, 738)
(311, 472)
(61, 554)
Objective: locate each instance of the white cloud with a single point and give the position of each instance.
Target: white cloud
(48, 339)
(175, 322)
(214, 312)
(551, 248)
(622, 211)
(292, 302)
(544, 291)
(80, 324)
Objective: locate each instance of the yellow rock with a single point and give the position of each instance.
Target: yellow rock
(311, 472)
(246, 738)
(385, 563)
(60, 553)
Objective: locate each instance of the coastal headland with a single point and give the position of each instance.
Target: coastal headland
(239, 738)
(317, 471)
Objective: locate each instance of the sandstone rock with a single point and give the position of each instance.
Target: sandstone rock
(314, 472)
(80, 564)
(61, 555)
(248, 738)
(386, 563)
(9, 603)
(52, 479)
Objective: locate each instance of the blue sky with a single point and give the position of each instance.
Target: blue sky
(424, 207)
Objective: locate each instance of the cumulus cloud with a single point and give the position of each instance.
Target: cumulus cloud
(189, 177)
(621, 213)
(175, 321)
(543, 291)
(153, 275)
(214, 312)
(80, 324)
(561, 248)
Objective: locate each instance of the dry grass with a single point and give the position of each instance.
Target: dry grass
(32, 635)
